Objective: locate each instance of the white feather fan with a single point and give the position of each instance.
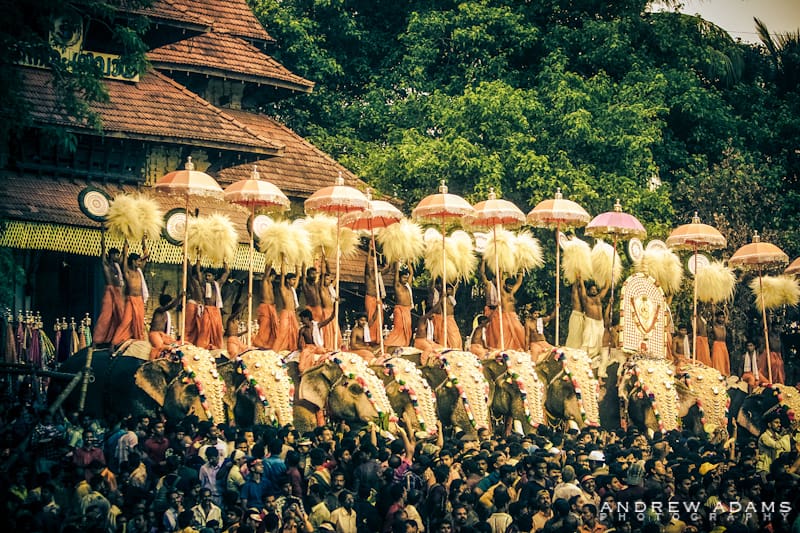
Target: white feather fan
(603, 255)
(285, 242)
(664, 266)
(213, 237)
(134, 216)
(777, 291)
(715, 282)
(528, 252)
(576, 259)
(501, 250)
(402, 241)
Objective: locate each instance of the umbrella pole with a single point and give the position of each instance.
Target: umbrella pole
(250, 275)
(558, 281)
(377, 286)
(444, 289)
(185, 270)
(766, 327)
(499, 294)
(694, 309)
(338, 258)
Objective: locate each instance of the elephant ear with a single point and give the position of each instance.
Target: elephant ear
(315, 385)
(154, 376)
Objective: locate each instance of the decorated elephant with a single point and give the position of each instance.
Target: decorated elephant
(260, 387)
(344, 388)
(462, 392)
(571, 388)
(751, 414)
(708, 388)
(409, 393)
(517, 392)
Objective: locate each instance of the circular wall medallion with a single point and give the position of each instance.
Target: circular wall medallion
(175, 226)
(258, 225)
(94, 203)
(655, 244)
(563, 240)
(635, 249)
(702, 262)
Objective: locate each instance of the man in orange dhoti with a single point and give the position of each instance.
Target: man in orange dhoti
(288, 327)
(751, 371)
(210, 333)
(703, 353)
(492, 300)
(361, 342)
(775, 361)
(373, 300)
(402, 328)
(720, 359)
(161, 323)
(233, 343)
(267, 314)
(454, 339)
(132, 323)
(331, 334)
(423, 338)
(112, 305)
(477, 341)
(513, 330)
(310, 341)
(310, 285)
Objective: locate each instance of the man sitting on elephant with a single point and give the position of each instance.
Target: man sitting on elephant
(477, 341)
(161, 323)
(310, 341)
(423, 337)
(361, 342)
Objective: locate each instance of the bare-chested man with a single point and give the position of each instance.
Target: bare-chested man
(210, 332)
(681, 344)
(267, 314)
(492, 301)
(310, 341)
(194, 306)
(454, 339)
(720, 359)
(702, 351)
(593, 325)
(373, 301)
(423, 337)
(513, 330)
(331, 333)
(361, 341)
(402, 328)
(477, 341)
(161, 322)
(112, 306)
(576, 316)
(309, 283)
(288, 327)
(132, 323)
(535, 339)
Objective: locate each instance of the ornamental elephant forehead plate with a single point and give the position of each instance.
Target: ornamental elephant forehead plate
(413, 383)
(577, 366)
(354, 367)
(643, 318)
(522, 373)
(465, 373)
(265, 371)
(711, 389)
(655, 380)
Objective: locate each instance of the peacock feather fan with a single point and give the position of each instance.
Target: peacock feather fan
(664, 266)
(402, 241)
(528, 252)
(134, 216)
(285, 242)
(501, 250)
(213, 237)
(777, 291)
(576, 259)
(715, 282)
(603, 255)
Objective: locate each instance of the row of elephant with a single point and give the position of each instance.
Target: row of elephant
(261, 387)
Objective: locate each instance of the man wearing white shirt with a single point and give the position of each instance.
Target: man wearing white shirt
(750, 373)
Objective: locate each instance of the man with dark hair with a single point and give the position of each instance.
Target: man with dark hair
(344, 518)
(593, 324)
(361, 341)
(477, 341)
(161, 322)
(112, 306)
(589, 519)
(132, 324)
(310, 340)
(267, 314)
(210, 331)
(402, 328)
(288, 328)
(720, 359)
(274, 466)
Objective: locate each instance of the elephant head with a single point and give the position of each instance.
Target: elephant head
(560, 371)
(259, 388)
(754, 407)
(161, 380)
(516, 392)
(409, 393)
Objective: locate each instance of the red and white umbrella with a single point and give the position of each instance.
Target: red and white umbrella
(760, 256)
(377, 216)
(252, 193)
(558, 213)
(491, 213)
(337, 200)
(695, 236)
(187, 183)
(442, 208)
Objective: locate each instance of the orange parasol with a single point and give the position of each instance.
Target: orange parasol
(188, 182)
(558, 213)
(337, 200)
(378, 215)
(794, 268)
(254, 193)
(695, 236)
(438, 209)
(491, 213)
(759, 256)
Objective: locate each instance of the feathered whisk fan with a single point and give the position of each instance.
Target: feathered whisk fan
(285, 242)
(501, 250)
(528, 252)
(461, 261)
(603, 255)
(777, 291)
(715, 282)
(322, 236)
(664, 266)
(402, 241)
(576, 259)
(213, 237)
(134, 216)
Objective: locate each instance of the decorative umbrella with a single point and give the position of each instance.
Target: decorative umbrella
(794, 268)
(618, 225)
(438, 209)
(491, 213)
(337, 199)
(187, 183)
(759, 256)
(695, 236)
(558, 213)
(378, 215)
(254, 193)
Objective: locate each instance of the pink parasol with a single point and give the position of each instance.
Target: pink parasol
(794, 268)
(377, 216)
(253, 193)
(439, 209)
(695, 236)
(187, 183)
(558, 213)
(759, 256)
(337, 200)
(491, 213)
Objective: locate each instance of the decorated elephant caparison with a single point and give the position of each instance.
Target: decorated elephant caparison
(571, 389)
(517, 393)
(409, 393)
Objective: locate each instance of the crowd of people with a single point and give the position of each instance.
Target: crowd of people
(149, 474)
